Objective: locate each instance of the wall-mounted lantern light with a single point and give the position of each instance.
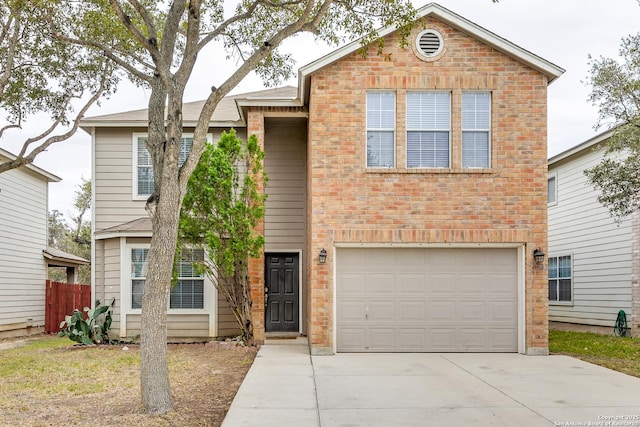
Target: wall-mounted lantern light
(538, 256)
(323, 256)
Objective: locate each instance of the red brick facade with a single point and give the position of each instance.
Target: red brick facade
(348, 203)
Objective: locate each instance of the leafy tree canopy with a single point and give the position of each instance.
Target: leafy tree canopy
(41, 74)
(615, 90)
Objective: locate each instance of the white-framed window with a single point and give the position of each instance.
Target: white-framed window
(143, 184)
(187, 294)
(189, 291)
(552, 190)
(381, 129)
(476, 127)
(560, 279)
(428, 129)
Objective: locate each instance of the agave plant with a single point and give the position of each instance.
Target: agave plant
(92, 330)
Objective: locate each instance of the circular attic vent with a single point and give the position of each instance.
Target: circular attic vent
(429, 43)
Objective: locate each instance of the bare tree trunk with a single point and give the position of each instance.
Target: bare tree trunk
(165, 214)
(154, 375)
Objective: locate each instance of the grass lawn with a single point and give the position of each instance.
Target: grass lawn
(50, 382)
(620, 354)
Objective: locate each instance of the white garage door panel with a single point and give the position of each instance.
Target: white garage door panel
(416, 300)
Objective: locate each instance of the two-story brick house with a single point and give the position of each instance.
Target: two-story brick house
(407, 194)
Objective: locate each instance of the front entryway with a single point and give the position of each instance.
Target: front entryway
(282, 292)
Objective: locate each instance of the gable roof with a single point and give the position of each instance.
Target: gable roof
(48, 175)
(547, 68)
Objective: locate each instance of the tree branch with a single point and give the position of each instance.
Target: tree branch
(169, 34)
(12, 43)
(221, 29)
(150, 43)
(144, 13)
(22, 160)
(109, 53)
(191, 46)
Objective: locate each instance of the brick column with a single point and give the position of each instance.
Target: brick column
(255, 126)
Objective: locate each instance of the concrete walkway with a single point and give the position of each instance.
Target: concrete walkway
(288, 387)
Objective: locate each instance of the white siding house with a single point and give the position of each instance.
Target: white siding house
(590, 254)
(23, 238)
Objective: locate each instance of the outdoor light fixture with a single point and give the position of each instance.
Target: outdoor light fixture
(323, 256)
(538, 255)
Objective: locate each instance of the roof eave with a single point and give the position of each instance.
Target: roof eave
(123, 233)
(586, 145)
(88, 125)
(50, 177)
(62, 261)
(242, 104)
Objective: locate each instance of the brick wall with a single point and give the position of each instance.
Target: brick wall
(348, 203)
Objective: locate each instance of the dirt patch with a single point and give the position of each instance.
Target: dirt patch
(100, 385)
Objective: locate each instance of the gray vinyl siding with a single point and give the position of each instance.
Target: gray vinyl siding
(600, 248)
(114, 176)
(112, 279)
(178, 325)
(98, 266)
(227, 323)
(285, 164)
(114, 204)
(23, 236)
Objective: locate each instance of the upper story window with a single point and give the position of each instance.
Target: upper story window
(428, 129)
(381, 129)
(476, 125)
(552, 190)
(560, 279)
(143, 166)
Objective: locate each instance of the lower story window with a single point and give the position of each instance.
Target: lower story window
(187, 293)
(560, 279)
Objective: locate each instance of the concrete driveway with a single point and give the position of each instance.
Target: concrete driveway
(288, 387)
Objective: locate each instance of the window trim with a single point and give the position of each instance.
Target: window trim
(554, 176)
(126, 288)
(134, 161)
(407, 130)
(572, 277)
(463, 130)
(394, 130)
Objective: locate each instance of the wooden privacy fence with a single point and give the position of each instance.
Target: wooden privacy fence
(61, 300)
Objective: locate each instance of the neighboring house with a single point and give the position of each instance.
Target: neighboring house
(592, 270)
(24, 256)
(406, 198)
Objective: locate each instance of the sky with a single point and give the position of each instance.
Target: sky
(564, 32)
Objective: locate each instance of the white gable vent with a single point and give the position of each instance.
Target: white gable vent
(429, 43)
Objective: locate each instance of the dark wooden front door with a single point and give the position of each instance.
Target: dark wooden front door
(282, 299)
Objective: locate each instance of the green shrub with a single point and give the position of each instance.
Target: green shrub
(93, 330)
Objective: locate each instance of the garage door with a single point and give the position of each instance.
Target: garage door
(427, 300)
